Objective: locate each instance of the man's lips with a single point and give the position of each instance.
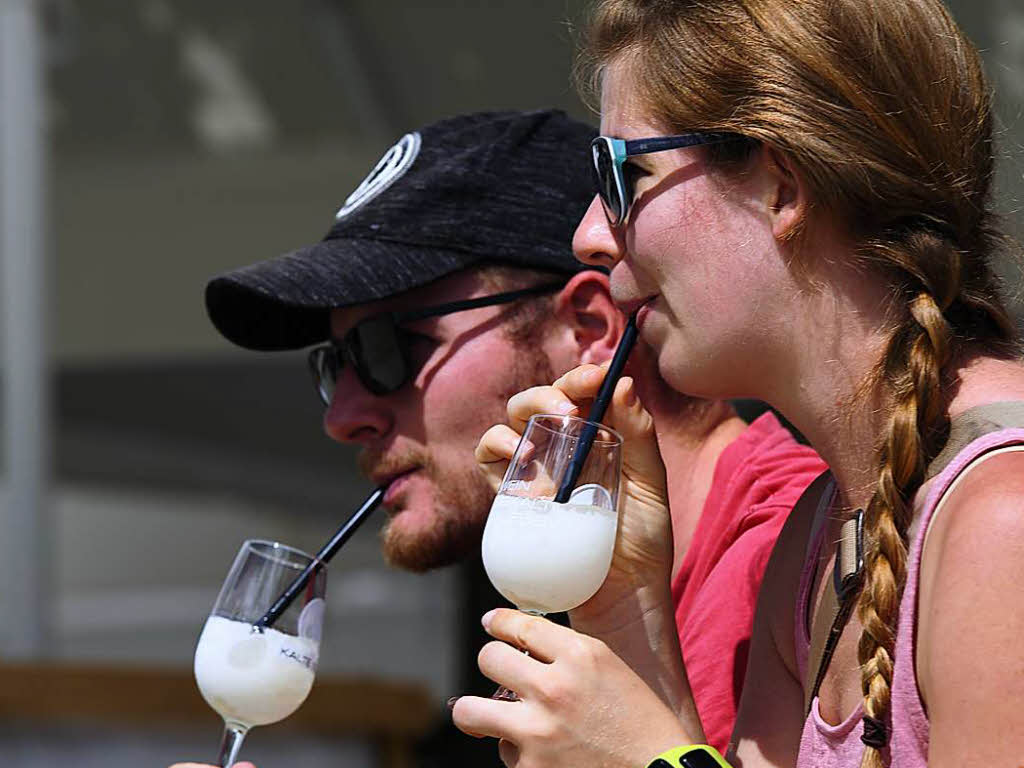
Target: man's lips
(394, 482)
(386, 472)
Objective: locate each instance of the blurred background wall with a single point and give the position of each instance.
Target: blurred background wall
(175, 139)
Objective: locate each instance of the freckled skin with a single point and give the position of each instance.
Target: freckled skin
(703, 248)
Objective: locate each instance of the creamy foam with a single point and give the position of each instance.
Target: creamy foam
(546, 557)
(253, 678)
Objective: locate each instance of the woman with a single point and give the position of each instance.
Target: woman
(825, 246)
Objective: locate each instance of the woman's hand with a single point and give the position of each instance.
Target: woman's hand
(632, 615)
(643, 547)
(579, 704)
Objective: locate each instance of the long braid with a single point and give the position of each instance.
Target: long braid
(917, 355)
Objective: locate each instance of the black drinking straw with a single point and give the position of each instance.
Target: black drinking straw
(323, 556)
(604, 397)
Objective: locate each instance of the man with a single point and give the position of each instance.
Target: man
(476, 206)
(447, 284)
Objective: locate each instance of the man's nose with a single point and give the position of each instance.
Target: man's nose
(355, 414)
(595, 242)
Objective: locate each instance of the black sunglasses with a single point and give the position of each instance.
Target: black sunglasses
(377, 347)
(609, 157)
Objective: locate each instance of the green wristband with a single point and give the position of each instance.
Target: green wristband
(690, 756)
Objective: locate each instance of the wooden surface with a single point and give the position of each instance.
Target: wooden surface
(124, 695)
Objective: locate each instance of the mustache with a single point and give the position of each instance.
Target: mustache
(375, 462)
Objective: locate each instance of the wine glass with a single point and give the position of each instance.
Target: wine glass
(545, 556)
(258, 675)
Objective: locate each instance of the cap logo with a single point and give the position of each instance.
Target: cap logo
(392, 165)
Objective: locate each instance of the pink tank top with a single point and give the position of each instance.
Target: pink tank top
(823, 745)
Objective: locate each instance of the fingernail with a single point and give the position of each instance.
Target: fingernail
(567, 408)
(486, 619)
(451, 703)
(630, 393)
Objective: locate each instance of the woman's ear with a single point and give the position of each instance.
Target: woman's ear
(785, 193)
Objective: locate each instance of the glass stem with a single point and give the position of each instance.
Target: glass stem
(230, 744)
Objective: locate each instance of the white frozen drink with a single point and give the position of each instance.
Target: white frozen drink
(546, 557)
(253, 678)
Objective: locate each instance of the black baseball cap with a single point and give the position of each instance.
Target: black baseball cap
(487, 188)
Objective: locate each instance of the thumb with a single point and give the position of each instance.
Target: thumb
(641, 457)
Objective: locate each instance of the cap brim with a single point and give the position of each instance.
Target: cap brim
(285, 302)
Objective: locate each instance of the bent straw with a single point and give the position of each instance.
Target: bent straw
(604, 397)
(323, 556)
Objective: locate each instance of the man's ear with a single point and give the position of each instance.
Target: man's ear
(585, 308)
(785, 193)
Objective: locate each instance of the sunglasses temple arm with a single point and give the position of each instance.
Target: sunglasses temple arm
(482, 301)
(661, 143)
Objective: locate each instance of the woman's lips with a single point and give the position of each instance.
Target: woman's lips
(641, 310)
(641, 315)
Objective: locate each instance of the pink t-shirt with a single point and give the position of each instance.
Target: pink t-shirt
(823, 745)
(757, 481)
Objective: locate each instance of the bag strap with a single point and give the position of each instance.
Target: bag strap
(837, 603)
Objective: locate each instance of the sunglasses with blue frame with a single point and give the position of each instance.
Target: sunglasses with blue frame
(609, 157)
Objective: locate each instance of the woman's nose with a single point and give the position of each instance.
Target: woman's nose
(595, 241)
